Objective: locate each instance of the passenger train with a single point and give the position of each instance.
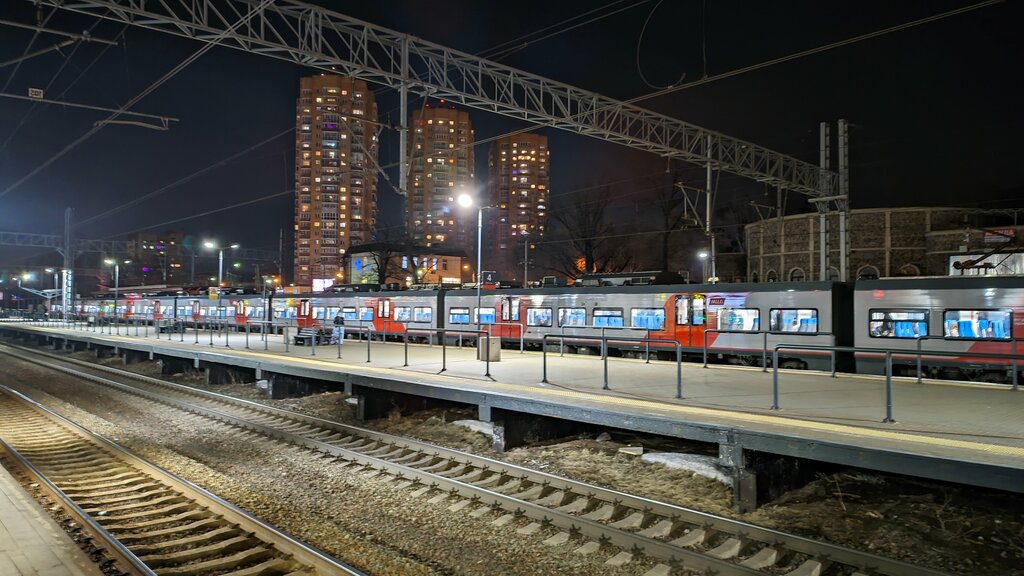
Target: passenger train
(956, 316)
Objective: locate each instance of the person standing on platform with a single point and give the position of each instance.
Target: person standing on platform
(338, 337)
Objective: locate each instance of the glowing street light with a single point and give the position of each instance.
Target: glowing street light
(209, 244)
(466, 201)
(117, 285)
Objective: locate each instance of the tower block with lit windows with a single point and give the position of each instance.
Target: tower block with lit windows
(441, 160)
(518, 181)
(335, 179)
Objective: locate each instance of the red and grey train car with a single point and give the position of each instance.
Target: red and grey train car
(962, 316)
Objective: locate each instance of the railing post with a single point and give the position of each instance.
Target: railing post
(775, 379)
(266, 336)
(647, 347)
(605, 362)
(487, 363)
(888, 387)
(561, 341)
(919, 360)
(679, 371)
(209, 329)
(706, 348)
(544, 357)
(832, 356)
(522, 338)
(764, 352)
(316, 336)
(406, 348)
(284, 331)
(369, 338)
(1013, 363)
(195, 328)
(246, 334)
(444, 352)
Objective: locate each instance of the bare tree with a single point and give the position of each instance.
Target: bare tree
(587, 244)
(670, 202)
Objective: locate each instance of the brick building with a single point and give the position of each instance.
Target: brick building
(883, 242)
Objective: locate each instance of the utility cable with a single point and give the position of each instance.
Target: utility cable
(42, 23)
(812, 51)
(183, 180)
(639, 41)
(152, 87)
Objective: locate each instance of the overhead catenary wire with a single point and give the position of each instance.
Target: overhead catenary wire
(42, 23)
(152, 87)
(49, 84)
(812, 51)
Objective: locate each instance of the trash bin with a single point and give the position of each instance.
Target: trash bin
(494, 353)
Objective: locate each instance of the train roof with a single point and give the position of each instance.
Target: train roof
(942, 283)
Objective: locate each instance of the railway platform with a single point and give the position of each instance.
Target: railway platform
(960, 432)
(31, 543)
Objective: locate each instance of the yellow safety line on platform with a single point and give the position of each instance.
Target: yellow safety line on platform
(745, 417)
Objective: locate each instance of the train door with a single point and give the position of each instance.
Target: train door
(384, 313)
(304, 316)
(509, 315)
(241, 312)
(157, 312)
(691, 319)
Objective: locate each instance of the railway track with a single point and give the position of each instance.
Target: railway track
(148, 520)
(585, 515)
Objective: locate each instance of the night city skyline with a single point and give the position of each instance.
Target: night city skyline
(904, 94)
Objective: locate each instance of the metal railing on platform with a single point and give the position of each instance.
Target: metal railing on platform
(888, 366)
(604, 354)
(764, 343)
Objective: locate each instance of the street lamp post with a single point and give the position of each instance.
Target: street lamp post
(466, 201)
(526, 256)
(704, 260)
(117, 287)
(220, 259)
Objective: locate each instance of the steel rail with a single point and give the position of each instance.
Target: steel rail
(300, 552)
(699, 520)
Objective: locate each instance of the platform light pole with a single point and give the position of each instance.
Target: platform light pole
(703, 255)
(220, 258)
(466, 201)
(526, 255)
(117, 286)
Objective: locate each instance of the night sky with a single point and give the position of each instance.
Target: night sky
(935, 109)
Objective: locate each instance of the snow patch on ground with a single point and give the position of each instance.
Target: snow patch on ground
(706, 466)
(485, 428)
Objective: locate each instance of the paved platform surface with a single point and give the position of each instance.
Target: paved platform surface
(31, 543)
(957, 421)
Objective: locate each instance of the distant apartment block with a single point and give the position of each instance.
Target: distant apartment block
(335, 178)
(518, 181)
(441, 159)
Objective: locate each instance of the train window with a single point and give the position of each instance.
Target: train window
(458, 315)
(486, 316)
(572, 316)
(700, 315)
(349, 313)
(647, 318)
(538, 316)
(978, 324)
(423, 314)
(897, 323)
(682, 311)
(793, 320)
(611, 317)
(739, 319)
(510, 309)
(365, 314)
(384, 308)
(403, 314)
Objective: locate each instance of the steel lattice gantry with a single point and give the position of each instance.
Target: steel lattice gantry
(319, 38)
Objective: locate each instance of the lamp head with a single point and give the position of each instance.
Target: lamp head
(109, 262)
(465, 200)
(702, 255)
(209, 244)
(234, 246)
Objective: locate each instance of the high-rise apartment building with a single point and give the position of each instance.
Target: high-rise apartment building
(441, 158)
(518, 181)
(335, 177)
